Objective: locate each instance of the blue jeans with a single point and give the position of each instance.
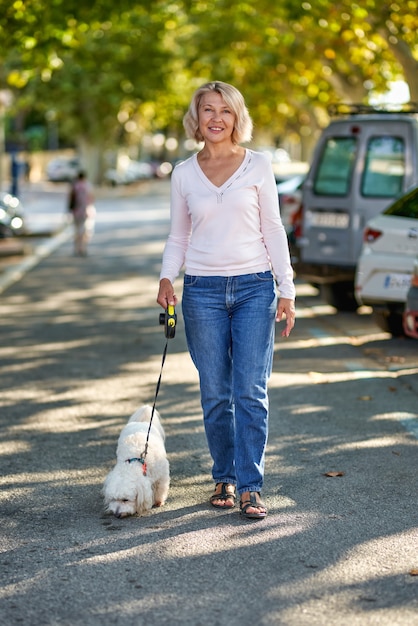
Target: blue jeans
(230, 324)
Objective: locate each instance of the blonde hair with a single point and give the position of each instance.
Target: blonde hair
(233, 98)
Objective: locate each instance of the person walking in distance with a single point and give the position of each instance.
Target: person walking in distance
(227, 232)
(81, 204)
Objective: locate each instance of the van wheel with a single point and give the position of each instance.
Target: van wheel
(340, 296)
(389, 319)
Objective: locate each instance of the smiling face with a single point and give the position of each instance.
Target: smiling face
(216, 118)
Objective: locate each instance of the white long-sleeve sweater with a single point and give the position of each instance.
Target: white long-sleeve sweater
(229, 230)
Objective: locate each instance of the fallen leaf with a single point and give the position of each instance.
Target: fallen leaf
(395, 359)
(392, 389)
(317, 377)
(333, 474)
(373, 351)
(414, 572)
(366, 398)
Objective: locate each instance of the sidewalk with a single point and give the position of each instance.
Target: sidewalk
(48, 225)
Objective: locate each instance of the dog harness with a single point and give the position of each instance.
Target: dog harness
(140, 460)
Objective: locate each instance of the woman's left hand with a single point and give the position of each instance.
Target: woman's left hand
(286, 307)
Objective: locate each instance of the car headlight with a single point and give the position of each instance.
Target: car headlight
(11, 200)
(17, 222)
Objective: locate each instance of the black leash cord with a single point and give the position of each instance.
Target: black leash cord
(144, 454)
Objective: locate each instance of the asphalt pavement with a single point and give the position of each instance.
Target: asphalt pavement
(80, 349)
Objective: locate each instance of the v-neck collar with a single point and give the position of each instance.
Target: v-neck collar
(230, 180)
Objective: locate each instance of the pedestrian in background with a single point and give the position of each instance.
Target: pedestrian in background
(14, 175)
(81, 205)
(227, 232)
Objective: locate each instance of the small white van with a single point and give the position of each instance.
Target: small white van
(362, 161)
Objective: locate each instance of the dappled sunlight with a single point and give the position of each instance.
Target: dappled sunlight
(398, 415)
(357, 578)
(314, 342)
(368, 444)
(315, 310)
(206, 540)
(136, 215)
(183, 420)
(53, 478)
(27, 584)
(132, 608)
(54, 421)
(197, 480)
(319, 378)
(183, 455)
(218, 541)
(78, 392)
(284, 502)
(17, 446)
(408, 420)
(195, 426)
(307, 409)
(44, 348)
(305, 290)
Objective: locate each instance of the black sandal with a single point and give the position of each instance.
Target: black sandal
(252, 503)
(224, 496)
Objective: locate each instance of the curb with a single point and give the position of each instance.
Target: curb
(11, 247)
(45, 248)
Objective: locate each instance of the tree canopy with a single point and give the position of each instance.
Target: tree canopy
(111, 72)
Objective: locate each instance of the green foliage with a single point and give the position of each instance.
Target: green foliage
(110, 72)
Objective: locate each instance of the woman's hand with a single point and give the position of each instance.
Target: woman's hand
(166, 294)
(286, 307)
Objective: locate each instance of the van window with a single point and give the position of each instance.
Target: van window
(405, 206)
(384, 167)
(333, 177)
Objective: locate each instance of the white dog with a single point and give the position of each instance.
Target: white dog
(133, 487)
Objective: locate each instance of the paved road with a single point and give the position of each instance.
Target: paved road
(81, 348)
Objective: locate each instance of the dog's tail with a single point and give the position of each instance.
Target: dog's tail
(143, 414)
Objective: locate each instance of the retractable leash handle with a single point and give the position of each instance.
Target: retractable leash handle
(169, 320)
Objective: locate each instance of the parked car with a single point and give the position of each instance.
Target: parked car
(386, 262)
(63, 169)
(290, 198)
(410, 316)
(132, 171)
(12, 222)
(362, 161)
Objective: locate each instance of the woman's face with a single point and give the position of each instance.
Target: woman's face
(216, 119)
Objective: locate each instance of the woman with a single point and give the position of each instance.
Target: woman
(83, 210)
(226, 230)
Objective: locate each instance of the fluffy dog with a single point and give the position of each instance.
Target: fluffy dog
(133, 487)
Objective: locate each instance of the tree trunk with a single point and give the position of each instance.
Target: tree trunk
(403, 55)
(92, 156)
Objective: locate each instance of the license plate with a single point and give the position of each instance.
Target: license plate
(397, 281)
(330, 220)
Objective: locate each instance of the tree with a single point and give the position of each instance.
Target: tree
(111, 73)
(90, 66)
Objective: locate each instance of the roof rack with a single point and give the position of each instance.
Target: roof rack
(359, 109)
